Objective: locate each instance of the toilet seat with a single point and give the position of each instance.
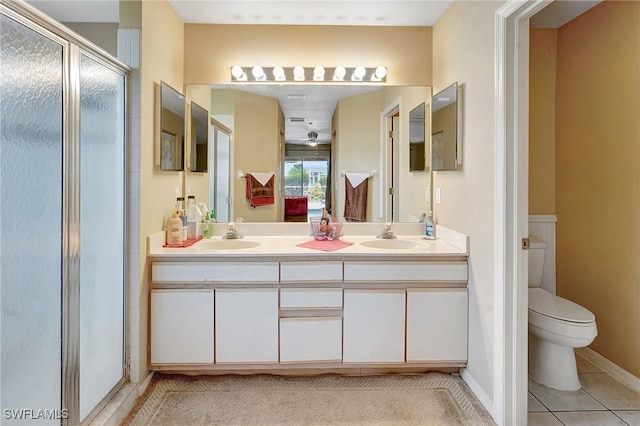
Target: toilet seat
(543, 303)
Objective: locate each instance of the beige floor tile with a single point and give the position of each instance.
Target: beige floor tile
(589, 418)
(630, 417)
(533, 404)
(556, 400)
(610, 392)
(542, 419)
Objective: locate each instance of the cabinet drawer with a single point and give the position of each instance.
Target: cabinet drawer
(322, 271)
(311, 298)
(310, 339)
(215, 272)
(405, 271)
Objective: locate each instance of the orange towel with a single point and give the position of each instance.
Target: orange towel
(257, 193)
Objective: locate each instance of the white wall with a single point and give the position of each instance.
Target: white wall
(463, 51)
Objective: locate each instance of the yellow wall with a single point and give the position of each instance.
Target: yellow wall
(214, 49)
(358, 133)
(542, 120)
(597, 174)
(257, 128)
(161, 60)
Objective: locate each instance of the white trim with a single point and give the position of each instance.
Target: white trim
(118, 408)
(385, 127)
(511, 205)
(543, 218)
(610, 368)
(478, 391)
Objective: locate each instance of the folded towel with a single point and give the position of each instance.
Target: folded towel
(257, 192)
(355, 197)
(325, 245)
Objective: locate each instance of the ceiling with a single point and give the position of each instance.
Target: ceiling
(319, 100)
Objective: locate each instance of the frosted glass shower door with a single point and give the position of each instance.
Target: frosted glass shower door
(102, 171)
(31, 158)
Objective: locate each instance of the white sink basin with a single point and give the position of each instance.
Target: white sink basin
(227, 245)
(391, 244)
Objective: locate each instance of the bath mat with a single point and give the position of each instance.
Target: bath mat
(423, 399)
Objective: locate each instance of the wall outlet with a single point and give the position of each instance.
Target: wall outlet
(427, 194)
(176, 193)
(437, 195)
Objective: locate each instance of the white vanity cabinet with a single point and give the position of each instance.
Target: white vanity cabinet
(296, 312)
(437, 324)
(247, 325)
(374, 326)
(182, 326)
(311, 312)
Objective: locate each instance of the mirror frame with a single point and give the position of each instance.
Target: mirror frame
(170, 139)
(438, 101)
(199, 131)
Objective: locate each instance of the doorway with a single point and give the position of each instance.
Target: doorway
(390, 158)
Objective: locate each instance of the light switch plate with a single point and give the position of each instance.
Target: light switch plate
(437, 195)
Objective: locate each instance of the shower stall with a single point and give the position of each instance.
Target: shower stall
(63, 223)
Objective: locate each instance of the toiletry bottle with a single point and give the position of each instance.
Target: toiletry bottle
(174, 229)
(430, 228)
(193, 218)
(180, 208)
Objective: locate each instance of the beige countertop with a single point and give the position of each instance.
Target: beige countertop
(286, 247)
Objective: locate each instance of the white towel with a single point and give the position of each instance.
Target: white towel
(262, 177)
(356, 178)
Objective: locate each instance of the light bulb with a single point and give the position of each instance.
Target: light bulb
(258, 73)
(298, 73)
(238, 73)
(339, 73)
(359, 73)
(278, 73)
(318, 73)
(381, 72)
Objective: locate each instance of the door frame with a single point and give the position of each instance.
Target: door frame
(511, 208)
(386, 117)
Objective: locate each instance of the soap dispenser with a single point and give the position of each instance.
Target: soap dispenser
(430, 228)
(174, 229)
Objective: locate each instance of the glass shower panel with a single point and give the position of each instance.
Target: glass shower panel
(102, 168)
(31, 137)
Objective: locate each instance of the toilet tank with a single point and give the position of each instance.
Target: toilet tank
(537, 248)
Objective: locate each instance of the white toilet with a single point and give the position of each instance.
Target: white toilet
(556, 327)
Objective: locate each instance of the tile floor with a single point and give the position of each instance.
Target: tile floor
(602, 401)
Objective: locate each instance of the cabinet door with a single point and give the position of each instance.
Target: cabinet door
(181, 326)
(247, 325)
(437, 324)
(374, 325)
(310, 339)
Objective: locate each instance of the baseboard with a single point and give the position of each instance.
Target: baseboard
(145, 383)
(478, 391)
(118, 408)
(610, 368)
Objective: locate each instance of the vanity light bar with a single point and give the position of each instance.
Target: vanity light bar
(298, 73)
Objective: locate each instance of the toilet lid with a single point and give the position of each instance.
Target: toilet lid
(549, 305)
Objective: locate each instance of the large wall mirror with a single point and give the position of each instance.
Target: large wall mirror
(353, 136)
(446, 141)
(170, 137)
(416, 139)
(199, 143)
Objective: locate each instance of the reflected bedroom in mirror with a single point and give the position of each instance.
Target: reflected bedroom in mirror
(445, 130)
(199, 135)
(170, 135)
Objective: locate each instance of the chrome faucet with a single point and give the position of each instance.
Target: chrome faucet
(387, 234)
(232, 233)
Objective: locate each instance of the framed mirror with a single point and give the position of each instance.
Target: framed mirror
(416, 139)
(445, 134)
(199, 138)
(170, 137)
